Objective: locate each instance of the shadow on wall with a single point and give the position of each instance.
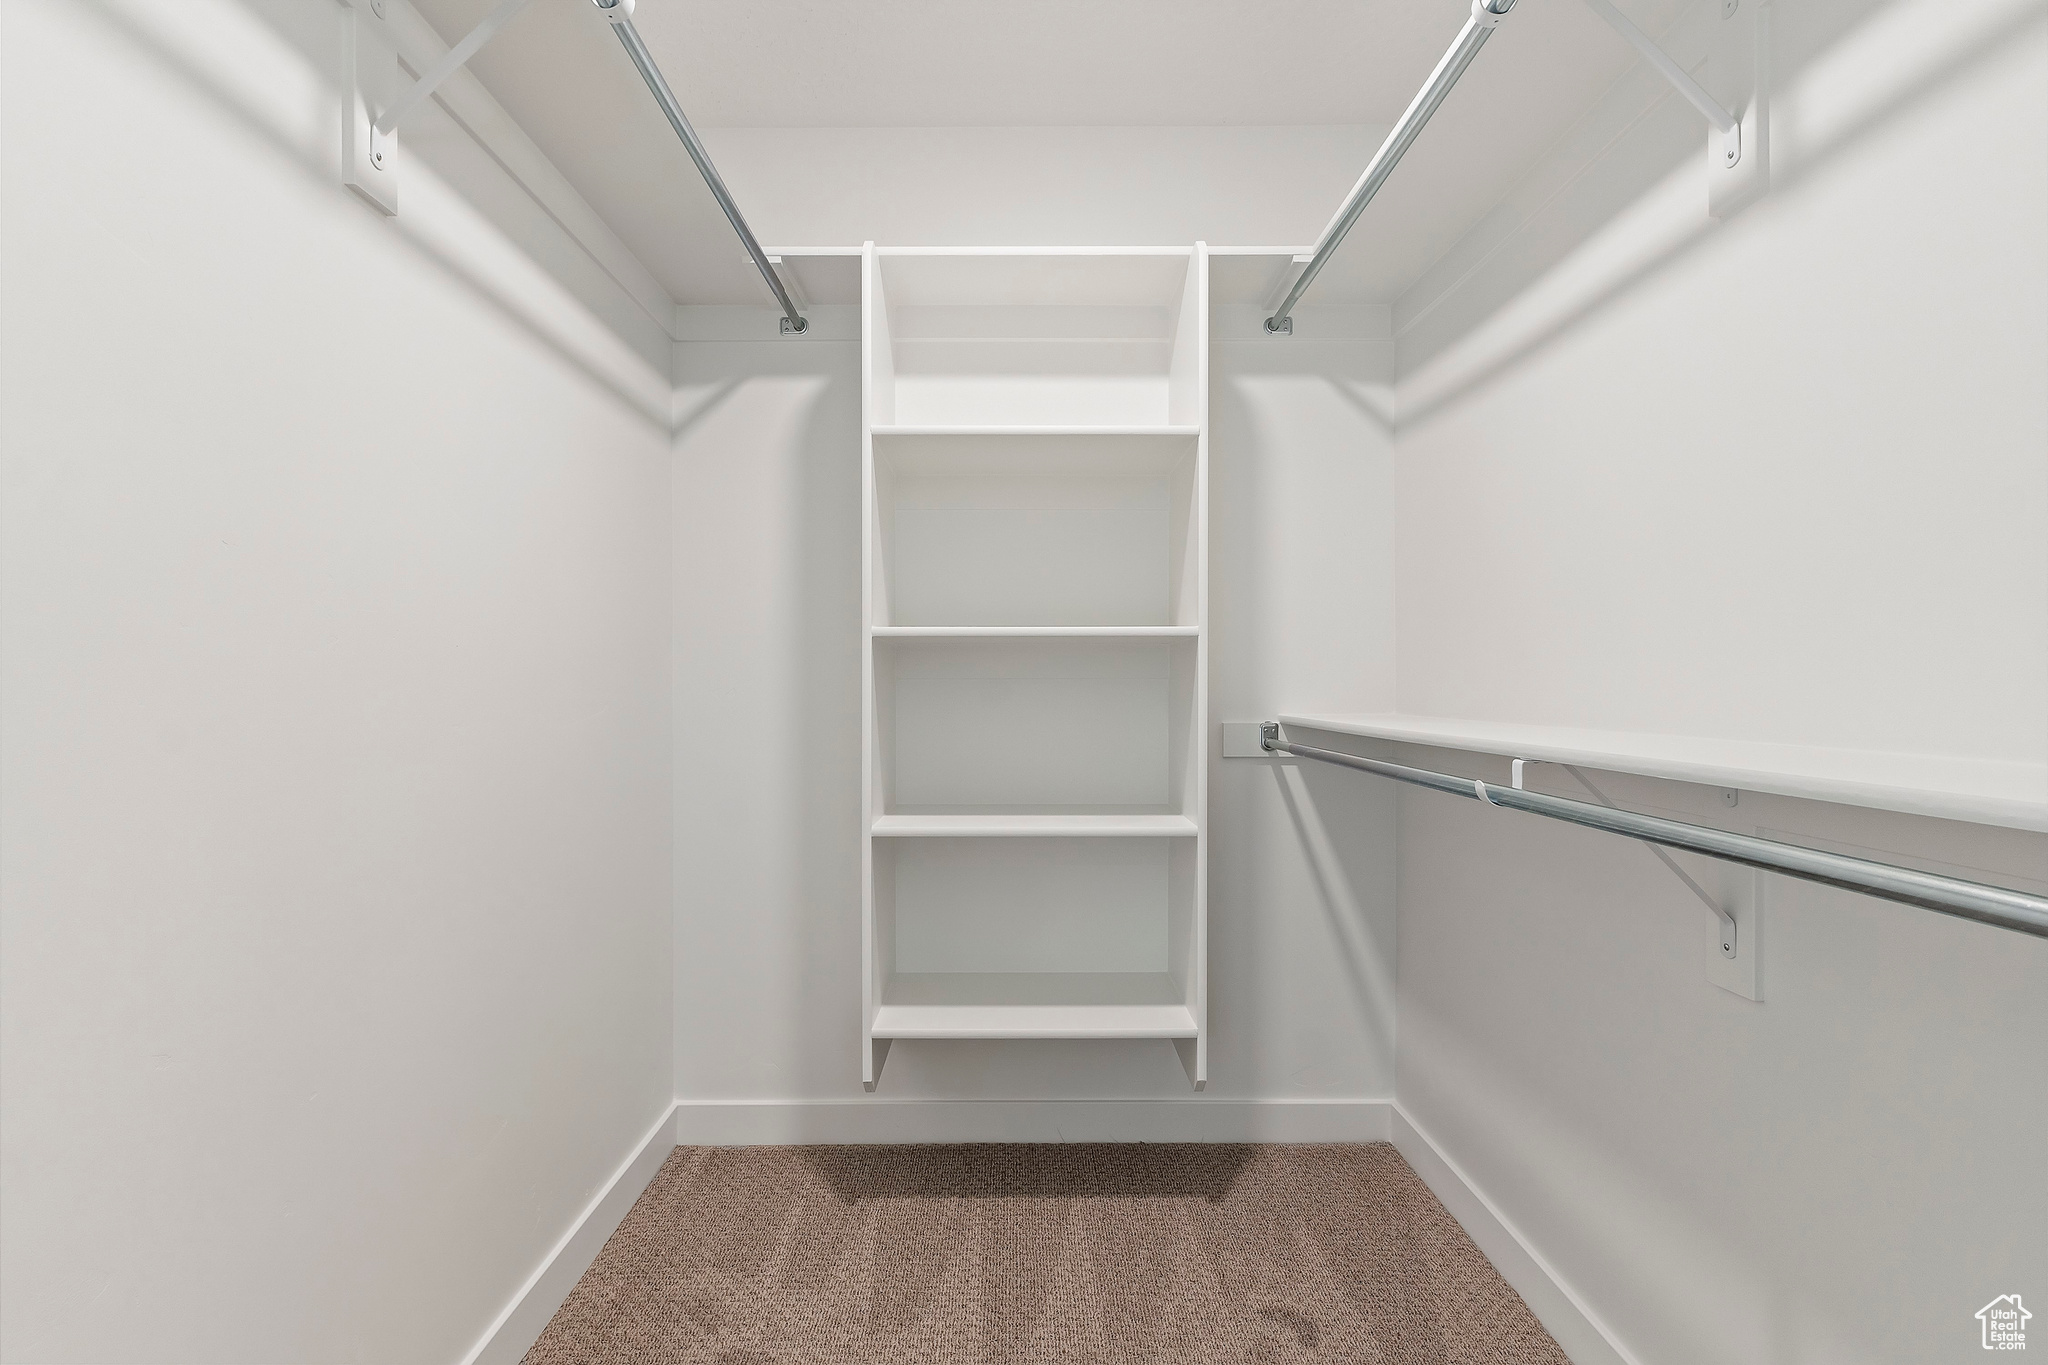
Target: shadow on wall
(271, 66)
(1339, 866)
(1842, 74)
(700, 404)
(768, 645)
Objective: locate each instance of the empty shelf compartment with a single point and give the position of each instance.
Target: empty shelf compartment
(1034, 725)
(1016, 529)
(1054, 339)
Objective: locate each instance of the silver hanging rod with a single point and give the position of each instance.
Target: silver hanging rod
(620, 13)
(1486, 16)
(1994, 905)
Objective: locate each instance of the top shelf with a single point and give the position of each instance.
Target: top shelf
(1111, 277)
(1982, 791)
(1088, 342)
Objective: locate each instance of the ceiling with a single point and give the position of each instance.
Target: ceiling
(813, 109)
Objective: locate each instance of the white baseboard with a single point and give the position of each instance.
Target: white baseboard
(769, 1123)
(1574, 1326)
(508, 1339)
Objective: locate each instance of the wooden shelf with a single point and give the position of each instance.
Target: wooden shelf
(1033, 1005)
(1982, 791)
(1034, 826)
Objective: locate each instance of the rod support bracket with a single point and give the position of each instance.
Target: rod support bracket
(1489, 13)
(1279, 327)
(1722, 916)
(370, 81)
(794, 327)
(1269, 734)
(375, 102)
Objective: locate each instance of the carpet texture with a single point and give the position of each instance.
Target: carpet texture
(1096, 1254)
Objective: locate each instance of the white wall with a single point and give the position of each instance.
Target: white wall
(1781, 480)
(1844, 1172)
(334, 735)
(767, 624)
(1301, 875)
(335, 750)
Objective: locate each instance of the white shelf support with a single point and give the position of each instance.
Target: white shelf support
(370, 141)
(455, 59)
(1696, 94)
(1738, 160)
(370, 67)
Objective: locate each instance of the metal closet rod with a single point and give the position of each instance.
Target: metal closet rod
(1994, 905)
(620, 13)
(1486, 16)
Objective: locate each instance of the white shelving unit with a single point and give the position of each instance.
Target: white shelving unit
(1035, 552)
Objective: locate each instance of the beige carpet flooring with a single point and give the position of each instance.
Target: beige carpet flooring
(1095, 1254)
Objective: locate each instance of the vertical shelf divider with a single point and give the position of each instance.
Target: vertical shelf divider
(876, 377)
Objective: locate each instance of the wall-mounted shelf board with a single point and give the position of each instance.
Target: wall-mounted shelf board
(1035, 493)
(1036, 632)
(1033, 1005)
(1025, 826)
(1981, 791)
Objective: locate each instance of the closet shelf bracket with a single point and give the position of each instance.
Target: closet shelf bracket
(1681, 80)
(370, 150)
(1736, 42)
(1727, 920)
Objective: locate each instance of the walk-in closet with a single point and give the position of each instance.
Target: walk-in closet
(1118, 683)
